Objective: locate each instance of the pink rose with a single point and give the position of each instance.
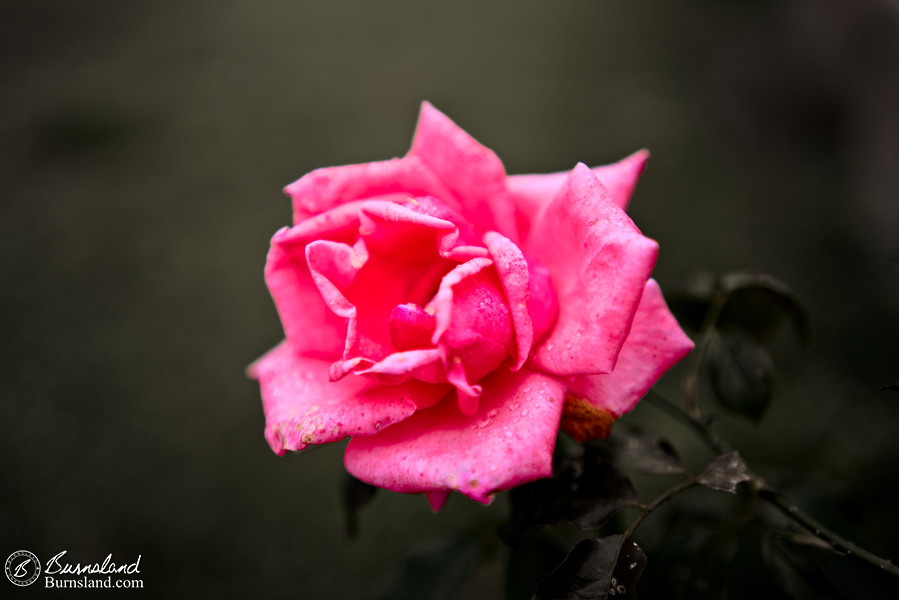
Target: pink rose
(450, 318)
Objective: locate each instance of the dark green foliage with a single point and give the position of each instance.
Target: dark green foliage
(595, 569)
(585, 490)
(642, 451)
(742, 373)
(759, 304)
(724, 473)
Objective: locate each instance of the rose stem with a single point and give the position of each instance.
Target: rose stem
(763, 491)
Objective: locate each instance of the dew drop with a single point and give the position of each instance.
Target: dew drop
(524, 413)
(492, 414)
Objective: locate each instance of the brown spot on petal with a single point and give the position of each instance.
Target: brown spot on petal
(583, 421)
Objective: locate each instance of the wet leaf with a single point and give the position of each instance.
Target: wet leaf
(596, 568)
(758, 304)
(724, 473)
(629, 567)
(642, 451)
(585, 573)
(742, 373)
(355, 494)
(585, 491)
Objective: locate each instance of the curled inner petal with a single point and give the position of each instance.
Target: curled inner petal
(411, 327)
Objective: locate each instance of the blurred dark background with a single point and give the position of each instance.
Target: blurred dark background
(143, 146)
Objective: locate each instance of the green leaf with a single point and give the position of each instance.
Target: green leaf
(758, 303)
(724, 473)
(629, 567)
(596, 568)
(585, 491)
(742, 374)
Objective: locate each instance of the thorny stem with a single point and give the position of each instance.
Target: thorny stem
(763, 490)
(665, 497)
(836, 541)
(697, 424)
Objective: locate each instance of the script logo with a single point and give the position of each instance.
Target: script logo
(22, 568)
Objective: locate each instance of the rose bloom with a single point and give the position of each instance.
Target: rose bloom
(449, 318)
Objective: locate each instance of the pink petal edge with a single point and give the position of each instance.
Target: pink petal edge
(329, 187)
(472, 172)
(302, 407)
(507, 442)
(655, 344)
(600, 263)
(531, 193)
(512, 269)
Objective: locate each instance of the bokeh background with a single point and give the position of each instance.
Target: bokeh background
(143, 146)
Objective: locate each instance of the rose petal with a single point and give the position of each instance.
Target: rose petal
(473, 173)
(395, 229)
(334, 267)
(655, 344)
(531, 193)
(302, 407)
(543, 304)
(327, 188)
(620, 178)
(312, 328)
(473, 325)
(411, 327)
(600, 263)
(512, 269)
(437, 499)
(508, 442)
(423, 365)
(442, 303)
(395, 261)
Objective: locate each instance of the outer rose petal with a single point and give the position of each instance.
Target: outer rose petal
(655, 343)
(599, 263)
(531, 193)
(620, 178)
(327, 188)
(309, 324)
(472, 172)
(302, 407)
(508, 442)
